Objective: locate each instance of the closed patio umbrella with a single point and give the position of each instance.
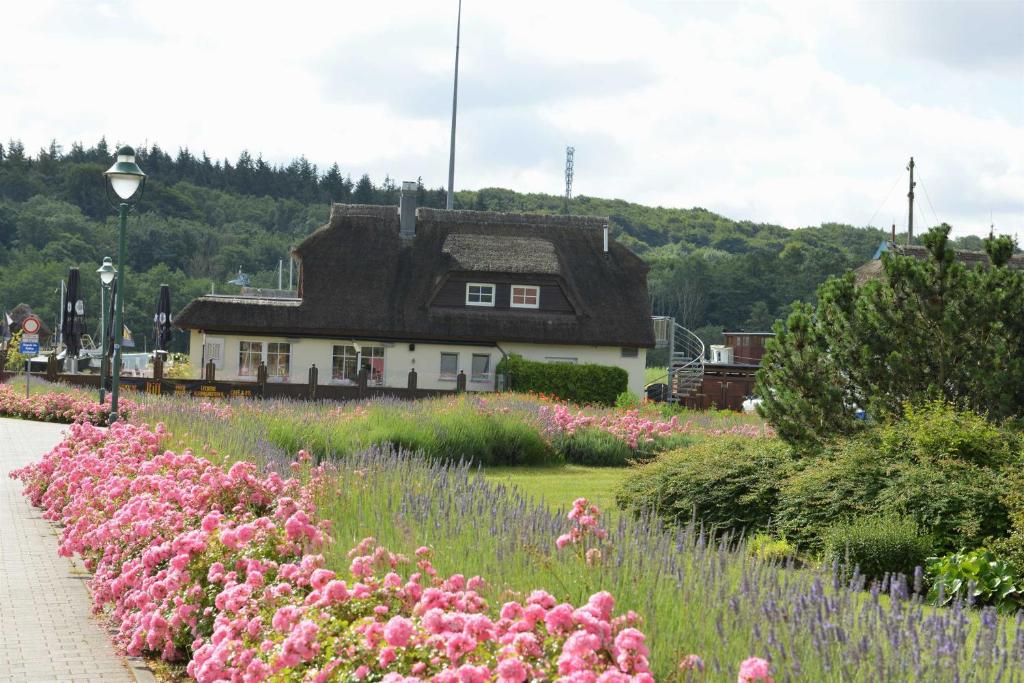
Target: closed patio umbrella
(73, 318)
(162, 319)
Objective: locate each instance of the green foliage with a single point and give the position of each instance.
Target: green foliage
(728, 483)
(978, 577)
(203, 218)
(455, 432)
(930, 468)
(15, 359)
(591, 446)
(930, 329)
(627, 400)
(587, 383)
(767, 548)
(878, 545)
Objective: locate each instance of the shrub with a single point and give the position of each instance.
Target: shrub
(729, 483)
(889, 470)
(627, 400)
(879, 545)
(586, 383)
(936, 431)
(770, 549)
(978, 577)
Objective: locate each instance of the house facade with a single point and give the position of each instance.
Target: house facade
(392, 289)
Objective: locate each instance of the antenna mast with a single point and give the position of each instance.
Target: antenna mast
(910, 210)
(569, 151)
(455, 102)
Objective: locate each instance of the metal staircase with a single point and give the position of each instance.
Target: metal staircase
(686, 357)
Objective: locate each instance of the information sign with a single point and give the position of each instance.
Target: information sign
(28, 347)
(30, 338)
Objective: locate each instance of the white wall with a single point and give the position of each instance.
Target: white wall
(425, 357)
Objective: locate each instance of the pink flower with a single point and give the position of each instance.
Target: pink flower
(755, 669)
(512, 670)
(398, 631)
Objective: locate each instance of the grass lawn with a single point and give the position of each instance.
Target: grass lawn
(557, 487)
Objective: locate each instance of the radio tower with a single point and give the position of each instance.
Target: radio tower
(569, 151)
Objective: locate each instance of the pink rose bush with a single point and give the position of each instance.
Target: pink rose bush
(218, 566)
(632, 426)
(58, 407)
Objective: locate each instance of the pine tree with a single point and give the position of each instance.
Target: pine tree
(930, 329)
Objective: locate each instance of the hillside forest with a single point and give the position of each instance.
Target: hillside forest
(202, 220)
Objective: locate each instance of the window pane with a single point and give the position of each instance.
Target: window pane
(373, 362)
(343, 365)
(250, 353)
(526, 296)
(278, 361)
(481, 367)
(449, 366)
(480, 294)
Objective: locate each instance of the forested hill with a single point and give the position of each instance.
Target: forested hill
(202, 219)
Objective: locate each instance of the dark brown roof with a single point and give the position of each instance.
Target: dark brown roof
(360, 278)
(872, 270)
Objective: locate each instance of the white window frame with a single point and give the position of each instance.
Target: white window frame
(358, 353)
(264, 350)
(494, 294)
(250, 352)
(536, 296)
(560, 359)
(485, 377)
(287, 353)
(441, 377)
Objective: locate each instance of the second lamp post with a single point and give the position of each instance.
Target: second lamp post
(107, 273)
(126, 180)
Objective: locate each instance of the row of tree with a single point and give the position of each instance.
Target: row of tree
(201, 220)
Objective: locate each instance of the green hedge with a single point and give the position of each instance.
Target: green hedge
(730, 483)
(879, 545)
(586, 383)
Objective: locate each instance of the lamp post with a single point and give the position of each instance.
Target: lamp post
(107, 273)
(126, 180)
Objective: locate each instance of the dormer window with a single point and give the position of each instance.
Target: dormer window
(478, 294)
(525, 296)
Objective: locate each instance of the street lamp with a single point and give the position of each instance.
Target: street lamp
(107, 273)
(126, 179)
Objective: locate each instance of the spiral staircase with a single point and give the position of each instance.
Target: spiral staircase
(686, 359)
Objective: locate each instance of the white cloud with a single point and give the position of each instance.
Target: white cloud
(793, 113)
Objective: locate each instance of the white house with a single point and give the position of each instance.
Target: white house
(390, 289)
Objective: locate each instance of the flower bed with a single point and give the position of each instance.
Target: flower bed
(220, 567)
(58, 407)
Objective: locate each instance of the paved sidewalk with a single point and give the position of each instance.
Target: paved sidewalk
(47, 630)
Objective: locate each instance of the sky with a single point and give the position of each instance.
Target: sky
(790, 113)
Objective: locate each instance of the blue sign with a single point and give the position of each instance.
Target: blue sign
(28, 347)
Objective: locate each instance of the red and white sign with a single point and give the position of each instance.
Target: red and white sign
(31, 325)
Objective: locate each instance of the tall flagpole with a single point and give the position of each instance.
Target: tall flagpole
(455, 103)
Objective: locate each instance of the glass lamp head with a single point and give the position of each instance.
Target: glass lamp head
(107, 271)
(125, 175)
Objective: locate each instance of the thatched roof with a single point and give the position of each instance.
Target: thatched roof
(872, 270)
(360, 278)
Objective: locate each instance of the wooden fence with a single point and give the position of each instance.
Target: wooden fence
(210, 387)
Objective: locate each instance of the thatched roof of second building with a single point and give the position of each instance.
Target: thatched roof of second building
(360, 278)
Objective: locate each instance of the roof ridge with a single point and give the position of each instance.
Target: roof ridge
(463, 216)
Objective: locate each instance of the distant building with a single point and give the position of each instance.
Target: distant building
(390, 289)
(872, 270)
(730, 373)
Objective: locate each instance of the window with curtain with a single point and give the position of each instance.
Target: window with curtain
(525, 296)
(250, 355)
(278, 361)
(348, 361)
